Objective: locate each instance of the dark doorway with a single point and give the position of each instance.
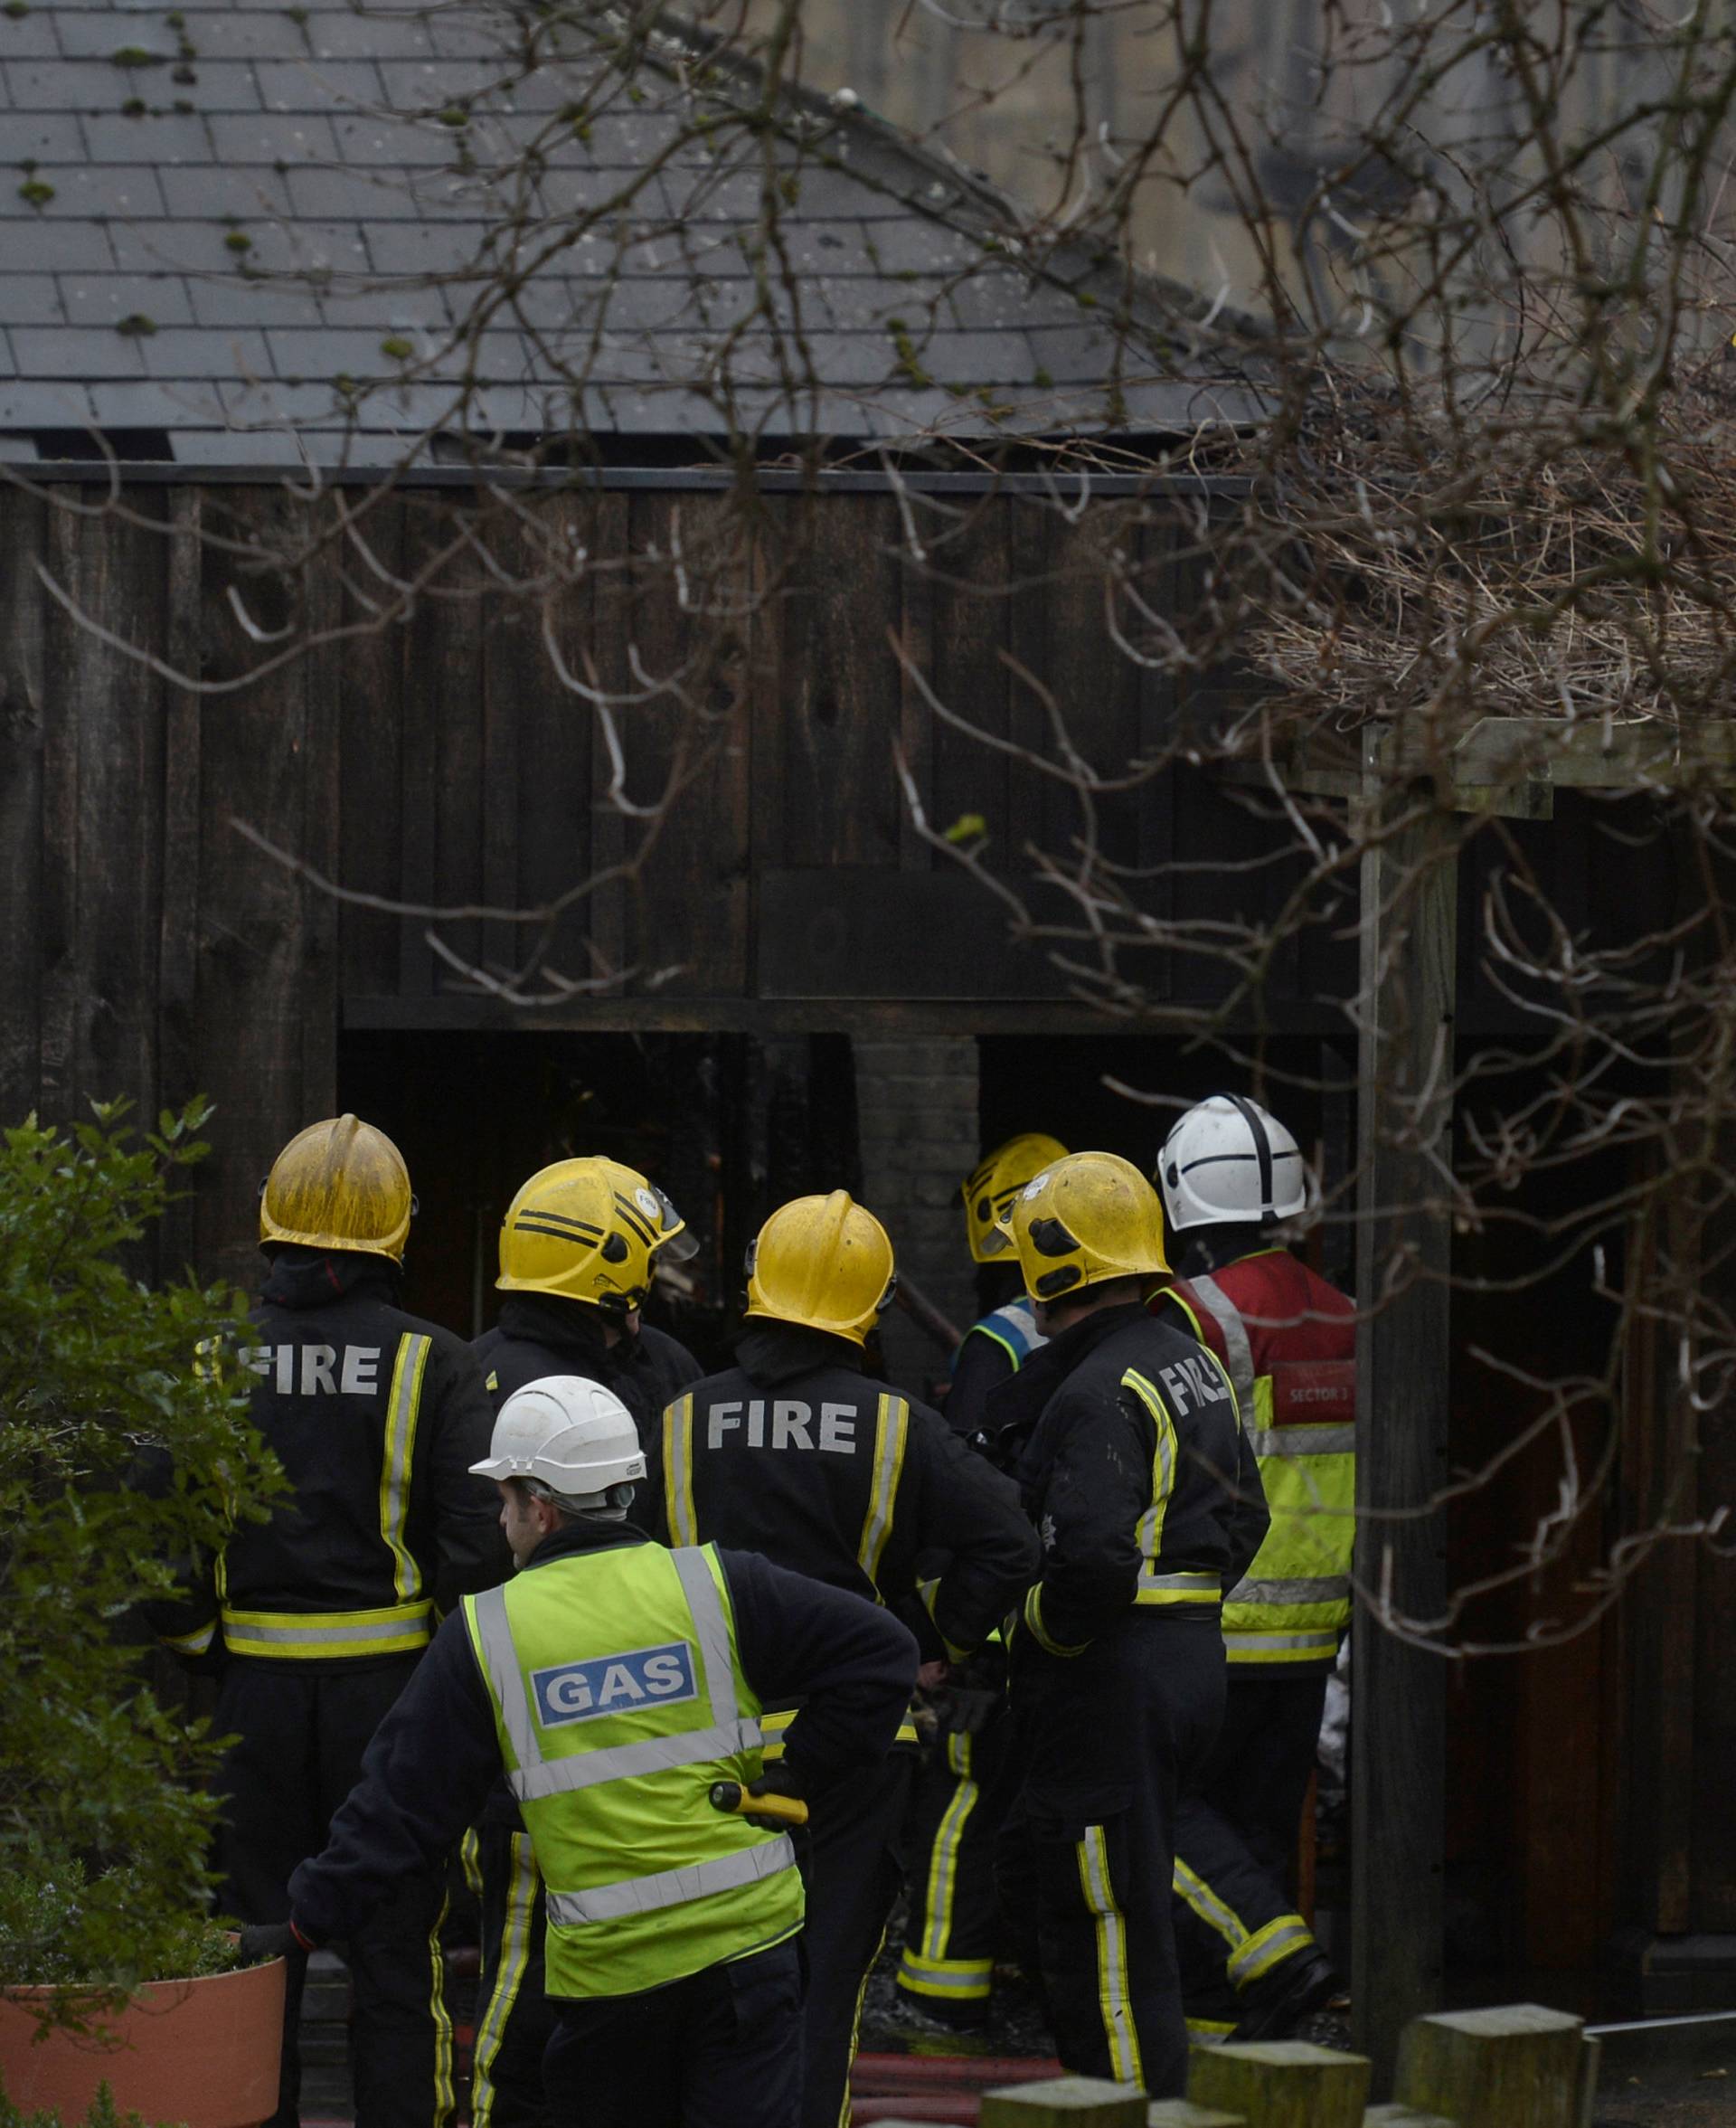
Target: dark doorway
(728, 1126)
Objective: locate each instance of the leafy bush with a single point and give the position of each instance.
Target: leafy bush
(101, 2113)
(126, 1453)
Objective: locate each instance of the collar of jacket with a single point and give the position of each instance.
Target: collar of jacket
(315, 1278)
(1215, 1248)
(583, 1535)
(567, 1326)
(773, 1353)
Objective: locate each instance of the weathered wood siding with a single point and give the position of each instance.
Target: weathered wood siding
(149, 949)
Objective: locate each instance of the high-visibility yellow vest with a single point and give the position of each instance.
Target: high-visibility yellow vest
(618, 1700)
(1294, 1603)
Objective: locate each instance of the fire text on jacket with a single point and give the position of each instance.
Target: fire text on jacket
(784, 1421)
(317, 1370)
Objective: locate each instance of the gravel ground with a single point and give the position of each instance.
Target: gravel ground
(1661, 2100)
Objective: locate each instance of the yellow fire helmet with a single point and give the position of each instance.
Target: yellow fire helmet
(338, 1185)
(824, 1262)
(1088, 1217)
(591, 1230)
(989, 1192)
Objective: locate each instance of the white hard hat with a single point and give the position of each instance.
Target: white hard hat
(573, 1436)
(1230, 1162)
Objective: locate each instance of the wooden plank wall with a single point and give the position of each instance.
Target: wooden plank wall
(147, 949)
(150, 949)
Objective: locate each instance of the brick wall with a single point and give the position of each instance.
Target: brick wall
(917, 1110)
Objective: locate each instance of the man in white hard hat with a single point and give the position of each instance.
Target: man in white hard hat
(580, 1248)
(1234, 1186)
(619, 1684)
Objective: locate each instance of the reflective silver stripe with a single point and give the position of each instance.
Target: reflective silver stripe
(1235, 1339)
(1200, 1583)
(1264, 1950)
(193, 1643)
(710, 1627)
(400, 1449)
(671, 1887)
(339, 1626)
(489, 1611)
(889, 1457)
(625, 1762)
(1303, 1588)
(678, 1471)
(1303, 1441)
(1328, 1638)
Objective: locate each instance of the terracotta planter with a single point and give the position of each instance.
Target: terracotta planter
(203, 2051)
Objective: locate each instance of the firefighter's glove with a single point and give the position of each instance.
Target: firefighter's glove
(774, 1781)
(261, 1940)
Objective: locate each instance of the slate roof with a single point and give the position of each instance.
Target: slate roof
(270, 230)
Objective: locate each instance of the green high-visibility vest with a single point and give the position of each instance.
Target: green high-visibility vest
(618, 1700)
(1295, 1601)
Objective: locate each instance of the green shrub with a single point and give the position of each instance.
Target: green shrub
(126, 1457)
(101, 2113)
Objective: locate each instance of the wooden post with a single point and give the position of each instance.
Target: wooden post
(1400, 2116)
(1182, 2112)
(1281, 2084)
(1063, 2101)
(1409, 882)
(1496, 2069)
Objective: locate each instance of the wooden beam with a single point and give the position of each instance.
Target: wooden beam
(1063, 2101)
(1281, 2083)
(1409, 937)
(1509, 765)
(1496, 2069)
(772, 1018)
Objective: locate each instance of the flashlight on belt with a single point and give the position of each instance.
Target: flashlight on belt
(731, 1797)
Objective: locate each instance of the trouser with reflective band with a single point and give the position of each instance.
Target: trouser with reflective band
(1236, 1924)
(721, 2049)
(853, 1869)
(300, 1734)
(963, 1796)
(514, 2019)
(1106, 1740)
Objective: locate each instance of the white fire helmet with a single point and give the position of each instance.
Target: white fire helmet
(1230, 1162)
(572, 1437)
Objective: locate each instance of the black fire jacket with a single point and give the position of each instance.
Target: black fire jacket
(376, 1417)
(540, 1334)
(795, 1454)
(1130, 1418)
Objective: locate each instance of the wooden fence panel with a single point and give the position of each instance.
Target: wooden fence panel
(257, 988)
(23, 715)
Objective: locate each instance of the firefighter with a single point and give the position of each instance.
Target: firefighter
(1231, 1175)
(322, 1612)
(794, 1452)
(577, 1250)
(1134, 1470)
(1000, 1341)
(946, 1967)
(617, 1684)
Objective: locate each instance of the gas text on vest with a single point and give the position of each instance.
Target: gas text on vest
(614, 1684)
